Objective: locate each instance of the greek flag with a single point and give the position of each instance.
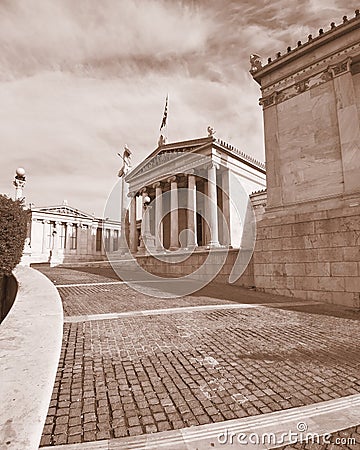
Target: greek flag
(164, 119)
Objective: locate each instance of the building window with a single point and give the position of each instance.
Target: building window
(116, 240)
(62, 235)
(73, 237)
(107, 240)
(98, 239)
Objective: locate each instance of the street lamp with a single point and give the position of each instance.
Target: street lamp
(19, 183)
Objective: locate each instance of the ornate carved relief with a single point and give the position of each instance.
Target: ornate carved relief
(269, 100)
(340, 68)
(304, 85)
(284, 82)
(161, 159)
(301, 86)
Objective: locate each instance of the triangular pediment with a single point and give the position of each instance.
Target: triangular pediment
(64, 210)
(167, 152)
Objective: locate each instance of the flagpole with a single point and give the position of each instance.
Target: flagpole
(167, 117)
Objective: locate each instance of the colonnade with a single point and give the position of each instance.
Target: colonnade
(171, 185)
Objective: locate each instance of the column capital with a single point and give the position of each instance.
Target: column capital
(172, 179)
(213, 165)
(143, 190)
(157, 185)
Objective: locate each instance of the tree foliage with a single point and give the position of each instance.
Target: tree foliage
(13, 225)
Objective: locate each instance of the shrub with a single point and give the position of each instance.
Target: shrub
(13, 225)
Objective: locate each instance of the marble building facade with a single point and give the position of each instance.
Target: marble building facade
(63, 234)
(309, 238)
(193, 181)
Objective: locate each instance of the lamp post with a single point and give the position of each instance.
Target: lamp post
(19, 183)
(147, 239)
(126, 158)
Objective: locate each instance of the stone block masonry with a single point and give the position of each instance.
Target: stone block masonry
(313, 255)
(169, 267)
(309, 239)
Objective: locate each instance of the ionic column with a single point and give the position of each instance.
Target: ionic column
(56, 236)
(212, 207)
(143, 224)
(158, 216)
(191, 212)
(132, 218)
(225, 187)
(174, 214)
(44, 247)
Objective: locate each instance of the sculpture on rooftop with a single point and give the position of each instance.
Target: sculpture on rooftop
(255, 63)
(210, 131)
(126, 157)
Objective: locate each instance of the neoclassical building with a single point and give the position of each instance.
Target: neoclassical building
(191, 185)
(308, 238)
(63, 234)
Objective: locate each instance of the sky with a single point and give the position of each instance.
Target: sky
(79, 80)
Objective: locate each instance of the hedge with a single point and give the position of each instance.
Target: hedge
(13, 225)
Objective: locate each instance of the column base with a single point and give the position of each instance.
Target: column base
(213, 245)
(191, 247)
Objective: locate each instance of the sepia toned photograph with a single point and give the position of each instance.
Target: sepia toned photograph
(179, 225)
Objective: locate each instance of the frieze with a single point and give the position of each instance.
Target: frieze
(304, 85)
(269, 100)
(340, 68)
(301, 86)
(324, 62)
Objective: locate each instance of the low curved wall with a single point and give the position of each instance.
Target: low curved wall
(30, 345)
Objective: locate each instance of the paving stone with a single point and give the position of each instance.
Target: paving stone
(150, 429)
(139, 372)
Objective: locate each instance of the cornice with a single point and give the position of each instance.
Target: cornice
(258, 71)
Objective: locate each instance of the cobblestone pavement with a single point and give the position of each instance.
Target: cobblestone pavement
(135, 375)
(60, 275)
(119, 298)
(348, 439)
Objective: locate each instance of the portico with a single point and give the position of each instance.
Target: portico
(181, 194)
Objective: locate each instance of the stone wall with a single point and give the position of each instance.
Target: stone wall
(315, 256)
(171, 268)
(309, 234)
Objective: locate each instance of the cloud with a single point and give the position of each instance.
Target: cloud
(81, 79)
(68, 35)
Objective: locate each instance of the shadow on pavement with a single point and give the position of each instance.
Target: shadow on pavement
(236, 294)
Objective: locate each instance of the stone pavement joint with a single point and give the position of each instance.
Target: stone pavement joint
(141, 374)
(144, 374)
(184, 309)
(320, 419)
(102, 283)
